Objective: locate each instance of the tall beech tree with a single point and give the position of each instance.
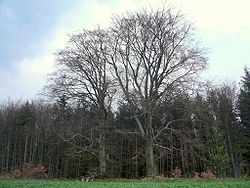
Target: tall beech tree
(82, 76)
(152, 52)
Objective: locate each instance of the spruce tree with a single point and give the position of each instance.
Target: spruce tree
(244, 100)
(244, 114)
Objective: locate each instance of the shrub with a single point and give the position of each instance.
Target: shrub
(176, 173)
(161, 177)
(16, 173)
(196, 176)
(5, 176)
(36, 172)
(207, 175)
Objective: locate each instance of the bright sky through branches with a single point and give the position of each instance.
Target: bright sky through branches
(31, 31)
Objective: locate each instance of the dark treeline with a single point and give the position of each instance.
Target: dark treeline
(125, 102)
(207, 135)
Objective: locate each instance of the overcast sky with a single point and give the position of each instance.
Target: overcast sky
(32, 30)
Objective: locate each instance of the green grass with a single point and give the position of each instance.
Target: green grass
(182, 183)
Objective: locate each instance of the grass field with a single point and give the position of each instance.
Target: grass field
(182, 183)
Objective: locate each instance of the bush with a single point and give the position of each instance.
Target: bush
(196, 176)
(36, 172)
(207, 175)
(176, 173)
(31, 171)
(16, 173)
(5, 176)
(161, 177)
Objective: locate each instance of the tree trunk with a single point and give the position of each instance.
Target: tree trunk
(34, 149)
(102, 154)
(14, 155)
(231, 154)
(8, 155)
(3, 156)
(57, 161)
(150, 160)
(30, 149)
(25, 151)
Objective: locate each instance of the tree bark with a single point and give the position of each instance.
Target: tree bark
(102, 154)
(150, 161)
(25, 151)
(151, 168)
(8, 155)
(231, 154)
(30, 149)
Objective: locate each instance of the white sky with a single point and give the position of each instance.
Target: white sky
(223, 26)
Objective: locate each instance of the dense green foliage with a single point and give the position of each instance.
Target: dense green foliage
(227, 183)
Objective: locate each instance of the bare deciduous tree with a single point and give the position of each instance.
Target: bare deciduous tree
(152, 52)
(82, 75)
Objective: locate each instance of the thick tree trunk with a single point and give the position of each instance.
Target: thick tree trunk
(147, 134)
(150, 160)
(102, 154)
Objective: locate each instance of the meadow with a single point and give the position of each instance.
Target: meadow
(181, 183)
